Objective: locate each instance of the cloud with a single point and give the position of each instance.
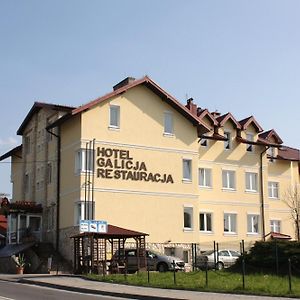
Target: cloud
(8, 143)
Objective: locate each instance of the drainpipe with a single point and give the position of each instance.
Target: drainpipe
(57, 185)
(262, 208)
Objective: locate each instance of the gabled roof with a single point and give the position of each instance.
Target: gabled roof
(267, 135)
(205, 113)
(36, 107)
(250, 120)
(224, 118)
(11, 152)
(150, 84)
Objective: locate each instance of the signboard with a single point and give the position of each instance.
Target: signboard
(93, 226)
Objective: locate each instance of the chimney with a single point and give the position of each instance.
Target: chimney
(123, 83)
(216, 114)
(191, 106)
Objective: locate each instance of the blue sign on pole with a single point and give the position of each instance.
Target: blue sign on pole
(93, 226)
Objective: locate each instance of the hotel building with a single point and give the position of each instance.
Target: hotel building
(139, 159)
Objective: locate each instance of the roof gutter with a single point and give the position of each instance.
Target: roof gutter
(57, 185)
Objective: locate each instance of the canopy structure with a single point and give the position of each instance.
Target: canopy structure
(94, 251)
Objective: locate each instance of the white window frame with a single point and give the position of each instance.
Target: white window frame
(117, 109)
(274, 227)
(230, 218)
(251, 223)
(80, 161)
(250, 137)
(273, 188)
(227, 144)
(189, 166)
(168, 117)
(205, 220)
(190, 211)
(227, 184)
(207, 178)
(253, 181)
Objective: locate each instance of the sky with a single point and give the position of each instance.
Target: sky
(233, 55)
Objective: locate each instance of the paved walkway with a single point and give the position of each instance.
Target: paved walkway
(78, 284)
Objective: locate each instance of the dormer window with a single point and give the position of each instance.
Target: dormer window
(227, 144)
(203, 142)
(250, 137)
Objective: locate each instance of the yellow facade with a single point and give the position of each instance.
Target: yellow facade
(138, 181)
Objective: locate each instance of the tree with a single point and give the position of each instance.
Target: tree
(292, 200)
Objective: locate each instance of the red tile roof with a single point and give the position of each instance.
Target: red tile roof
(250, 120)
(288, 153)
(224, 118)
(267, 135)
(114, 232)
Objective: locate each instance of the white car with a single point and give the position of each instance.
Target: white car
(218, 260)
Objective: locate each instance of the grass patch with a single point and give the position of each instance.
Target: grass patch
(218, 281)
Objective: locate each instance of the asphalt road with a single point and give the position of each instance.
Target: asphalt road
(18, 291)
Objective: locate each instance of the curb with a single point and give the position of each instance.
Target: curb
(91, 291)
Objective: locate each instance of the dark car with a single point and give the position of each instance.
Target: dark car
(155, 261)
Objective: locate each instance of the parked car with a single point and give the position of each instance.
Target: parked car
(218, 260)
(156, 261)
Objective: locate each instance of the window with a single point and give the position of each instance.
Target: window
(253, 223)
(49, 173)
(251, 182)
(27, 144)
(188, 218)
(203, 142)
(114, 116)
(228, 178)
(273, 189)
(81, 214)
(205, 221)
(275, 225)
(26, 183)
(186, 255)
(227, 144)
(205, 177)
(250, 137)
(84, 162)
(229, 223)
(271, 153)
(168, 123)
(187, 169)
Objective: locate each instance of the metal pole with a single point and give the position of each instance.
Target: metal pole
(85, 181)
(290, 275)
(174, 272)
(276, 257)
(243, 271)
(215, 259)
(206, 274)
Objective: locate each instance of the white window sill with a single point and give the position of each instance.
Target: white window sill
(228, 190)
(252, 233)
(206, 232)
(274, 198)
(115, 128)
(170, 135)
(188, 230)
(187, 181)
(251, 192)
(205, 187)
(230, 233)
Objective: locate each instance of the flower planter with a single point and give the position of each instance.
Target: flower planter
(20, 270)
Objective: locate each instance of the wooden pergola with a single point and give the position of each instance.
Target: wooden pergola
(93, 252)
